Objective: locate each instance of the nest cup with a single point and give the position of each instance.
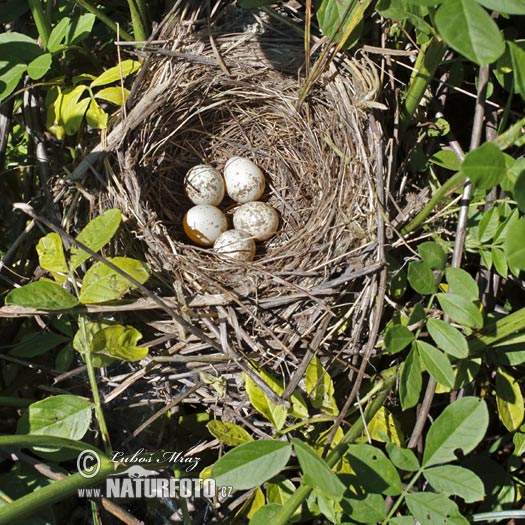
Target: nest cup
(206, 96)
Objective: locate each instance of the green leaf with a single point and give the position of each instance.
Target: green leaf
(120, 342)
(519, 190)
(96, 117)
(63, 415)
(102, 284)
(421, 278)
(485, 166)
(37, 343)
(470, 30)
(320, 388)
(514, 247)
(460, 310)
(511, 7)
(122, 70)
(17, 48)
(58, 35)
(434, 509)
(509, 400)
(517, 57)
(461, 425)
(83, 343)
(51, 253)
(228, 433)
(402, 458)
(251, 464)
(397, 338)
(410, 380)
(269, 512)
(279, 491)
(432, 253)
(72, 109)
(436, 363)
(462, 283)
(9, 79)
(275, 414)
(446, 159)
(316, 473)
(368, 508)
(43, 295)
(375, 472)
(81, 27)
(448, 338)
(38, 67)
(96, 234)
(500, 262)
(115, 95)
(337, 18)
(452, 480)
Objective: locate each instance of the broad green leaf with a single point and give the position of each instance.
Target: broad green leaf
(518, 441)
(446, 159)
(469, 29)
(96, 117)
(275, 414)
(448, 338)
(63, 415)
(509, 399)
(385, 427)
(43, 295)
(432, 253)
(402, 458)
(51, 253)
(58, 35)
(436, 363)
(339, 18)
(280, 490)
(434, 509)
(514, 247)
(462, 283)
(366, 508)
(18, 48)
(460, 310)
(9, 79)
(402, 520)
(251, 464)
(316, 473)
(421, 278)
(72, 109)
(96, 234)
(485, 166)
(489, 224)
(517, 57)
(101, 283)
(122, 70)
(500, 262)
(519, 190)
(452, 480)
(37, 343)
(320, 388)
(38, 67)
(461, 425)
(120, 342)
(397, 338)
(228, 433)
(375, 472)
(410, 380)
(511, 7)
(268, 513)
(81, 27)
(115, 95)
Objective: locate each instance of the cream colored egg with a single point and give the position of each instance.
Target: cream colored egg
(204, 223)
(257, 218)
(204, 185)
(235, 244)
(244, 179)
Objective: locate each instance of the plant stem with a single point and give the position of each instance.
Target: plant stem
(105, 19)
(401, 498)
(429, 58)
(456, 180)
(99, 414)
(41, 20)
(387, 381)
(138, 19)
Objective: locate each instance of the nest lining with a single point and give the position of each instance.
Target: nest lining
(239, 97)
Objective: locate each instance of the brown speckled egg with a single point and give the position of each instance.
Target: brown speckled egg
(204, 185)
(257, 218)
(244, 179)
(204, 223)
(235, 244)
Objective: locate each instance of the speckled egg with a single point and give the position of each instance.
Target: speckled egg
(235, 244)
(257, 218)
(204, 185)
(204, 223)
(244, 179)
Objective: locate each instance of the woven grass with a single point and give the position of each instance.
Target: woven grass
(207, 93)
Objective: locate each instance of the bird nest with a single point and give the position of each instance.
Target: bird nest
(208, 92)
